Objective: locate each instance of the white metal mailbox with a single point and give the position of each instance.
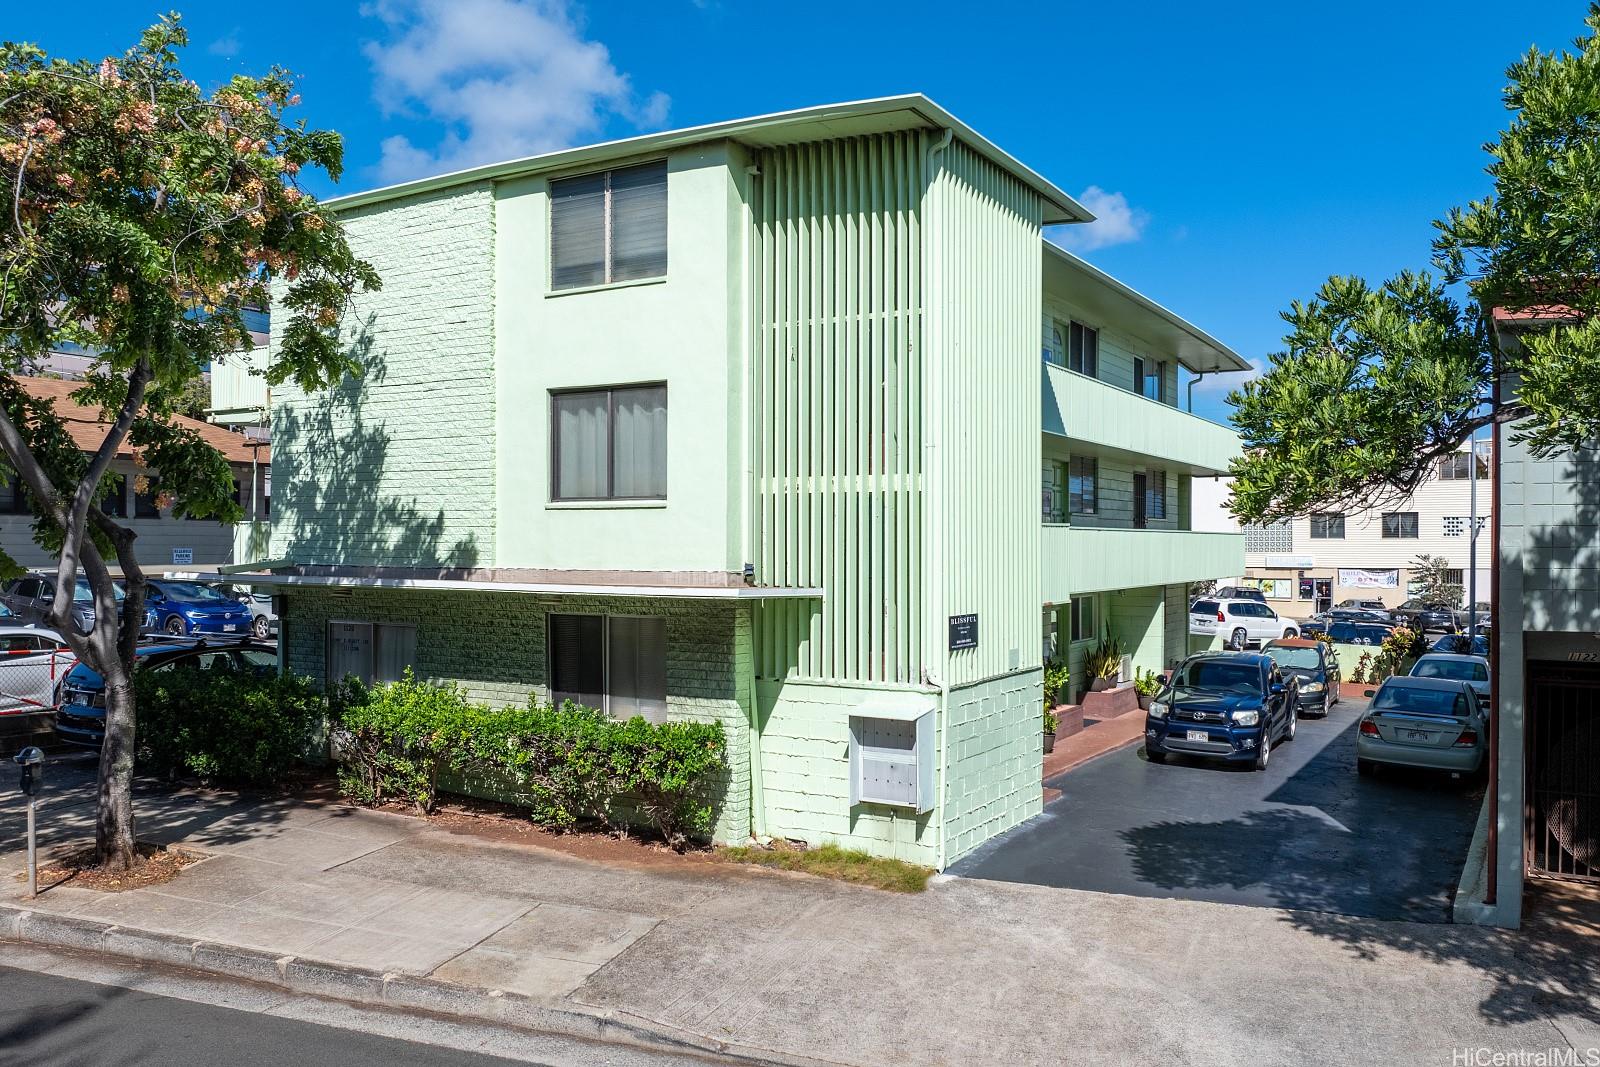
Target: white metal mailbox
(892, 760)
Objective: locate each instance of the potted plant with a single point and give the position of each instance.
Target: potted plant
(1050, 723)
(1104, 664)
(1056, 678)
(1148, 684)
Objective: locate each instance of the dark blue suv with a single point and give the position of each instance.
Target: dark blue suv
(1231, 706)
(193, 608)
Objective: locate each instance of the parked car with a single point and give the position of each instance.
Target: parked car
(1434, 723)
(1474, 670)
(1240, 622)
(1477, 645)
(32, 597)
(1346, 631)
(1315, 669)
(263, 621)
(81, 716)
(1371, 605)
(1239, 592)
(182, 607)
(33, 662)
(1230, 706)
(1426, 616)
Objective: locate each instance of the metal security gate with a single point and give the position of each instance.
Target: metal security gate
(1562, 826)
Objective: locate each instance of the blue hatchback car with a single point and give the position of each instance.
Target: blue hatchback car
(193, 608)
(1231, 706)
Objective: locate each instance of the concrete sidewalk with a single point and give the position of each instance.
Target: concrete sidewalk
(372, 906)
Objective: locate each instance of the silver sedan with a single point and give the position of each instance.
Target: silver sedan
(1434, 723)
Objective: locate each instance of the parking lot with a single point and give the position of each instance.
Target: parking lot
(1307, 833)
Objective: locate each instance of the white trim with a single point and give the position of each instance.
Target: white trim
(679, 592)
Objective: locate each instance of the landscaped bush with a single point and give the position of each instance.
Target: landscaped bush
(226, 726)
(567, 765)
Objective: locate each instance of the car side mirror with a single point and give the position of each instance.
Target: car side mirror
(1277, 688)
(1166, 679)
(1370, 692)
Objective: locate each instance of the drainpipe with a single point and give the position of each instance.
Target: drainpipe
(1192, 382)
(933, 546)
(944, 757)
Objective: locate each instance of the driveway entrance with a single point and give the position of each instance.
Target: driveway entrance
(1307, 833)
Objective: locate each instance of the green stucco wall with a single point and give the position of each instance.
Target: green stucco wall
(397, 467)
(493, 645)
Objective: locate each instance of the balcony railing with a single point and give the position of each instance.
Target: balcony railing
(1097, 413)
(1080, 559)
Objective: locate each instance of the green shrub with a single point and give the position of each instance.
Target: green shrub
(567, 765)
(226, 726)
(1056, 681)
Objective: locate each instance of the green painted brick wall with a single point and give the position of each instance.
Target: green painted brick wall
(397, 467)
(493, 646)
(996, 741)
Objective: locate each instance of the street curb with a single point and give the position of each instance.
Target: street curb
(370, 988)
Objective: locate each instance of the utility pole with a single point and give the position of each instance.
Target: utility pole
(1472, 544)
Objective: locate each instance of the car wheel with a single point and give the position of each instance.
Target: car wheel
(260, 628)
(1239, 640)
(1294, 722)
(1264, 753)
(1327, 703)
(1290, 634)
(1154, 757)
(176, 625)
(1366, 767)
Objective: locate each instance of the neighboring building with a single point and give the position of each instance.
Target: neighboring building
(241, 400)
(163, 541)
(1544, 797)
(741, 423)
(1310, 563)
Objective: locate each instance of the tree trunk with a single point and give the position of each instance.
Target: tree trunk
(113, 831)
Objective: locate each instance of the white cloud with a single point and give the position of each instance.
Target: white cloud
(1116, 222)
(226, 46)
(505, 78)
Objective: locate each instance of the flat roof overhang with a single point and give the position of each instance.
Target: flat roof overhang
(1125, 309)
(673, 592)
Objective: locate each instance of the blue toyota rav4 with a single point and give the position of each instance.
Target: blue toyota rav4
(1232, 706)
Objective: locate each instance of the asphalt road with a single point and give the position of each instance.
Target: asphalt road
(1307, 833)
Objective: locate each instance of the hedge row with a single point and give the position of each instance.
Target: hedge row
(226, 726)
(567, 764)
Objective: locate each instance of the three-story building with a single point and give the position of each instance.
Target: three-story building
(740, 423)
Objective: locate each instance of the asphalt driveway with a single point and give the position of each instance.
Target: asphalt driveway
(1307, 833)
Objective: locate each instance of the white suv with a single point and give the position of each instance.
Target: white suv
(1240, 622)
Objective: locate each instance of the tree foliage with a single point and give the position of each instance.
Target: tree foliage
(140, 214)
(1433, 582)
(1376, 382)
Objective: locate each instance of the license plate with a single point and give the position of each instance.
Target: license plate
(1416, 735)
(1198, 735)
(227, 626)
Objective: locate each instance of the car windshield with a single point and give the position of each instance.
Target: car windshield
(82, 593)
(196, 592)
(1462, 670)
(1416, 701)
(1234, 676)
(1458, 643)
(1303, 658)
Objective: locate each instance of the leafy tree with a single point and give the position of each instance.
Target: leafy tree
(139, 215)
(1377, 382)
(1433, 582)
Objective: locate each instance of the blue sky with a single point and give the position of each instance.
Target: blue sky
(1240, 152)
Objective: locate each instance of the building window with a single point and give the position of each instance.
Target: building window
(1083, 349)
(609, 444)
(613, 663)
(1082, 618)
(1054, 499)
(1278, 537)
(1400, 524)
(1327, 527)
(1055, 345)
(1458, 467)
(1155, 495)
(608, 227)
(146, 503)
(1083, 485)
(13, 497)
(1148, 378)
(372, 652)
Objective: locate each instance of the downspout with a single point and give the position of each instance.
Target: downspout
(1491, 885)
(758, 805)
(931, 429)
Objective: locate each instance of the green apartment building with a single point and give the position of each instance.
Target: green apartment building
(742, 422)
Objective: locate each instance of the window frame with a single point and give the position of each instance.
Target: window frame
(1094, 488)
(373, 628)
(1075, 621)
(554, 497)
(1327, 518)
(605, 658)
(1400, 526)
(1155, 498)
(1088, 355)
(608, 279)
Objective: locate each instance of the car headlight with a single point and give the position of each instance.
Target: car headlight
(1158, 709)
(1312, 687)
(1246, 718)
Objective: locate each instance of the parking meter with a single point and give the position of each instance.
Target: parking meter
(31, 760)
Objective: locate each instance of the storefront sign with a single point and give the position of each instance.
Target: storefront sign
(1361, 579)
(1291, 562)
(963, 632)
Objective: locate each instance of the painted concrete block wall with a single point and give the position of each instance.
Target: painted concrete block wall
(994, 738)
(805, 759)
(1175, 630)
(684, 329)
(1137, 617)
(494, 646)
(396, 468)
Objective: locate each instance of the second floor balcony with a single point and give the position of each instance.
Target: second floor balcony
(1078, 560)
(1110, 419)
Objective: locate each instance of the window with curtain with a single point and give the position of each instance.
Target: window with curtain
(609, 444)
(608, 227)
(1083, 349)
(1083, 484)
(613, 663)
(1400, 524)
(372, 652)
(1327, 527)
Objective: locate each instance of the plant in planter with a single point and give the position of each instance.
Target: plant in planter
(1056, 679)
(1050, 724)
(1104, 664)
(1148, 684)
(1363, 665)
